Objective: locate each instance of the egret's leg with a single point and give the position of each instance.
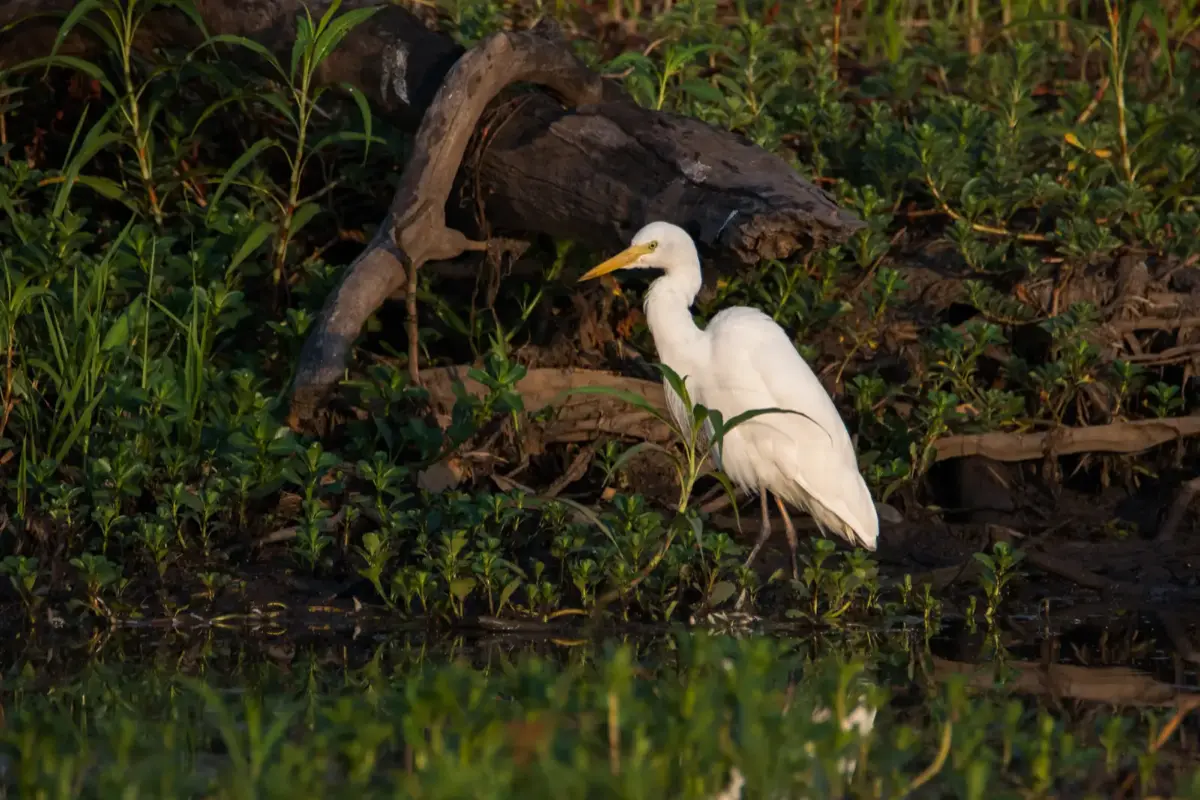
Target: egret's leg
(793, 544)
(764, 532)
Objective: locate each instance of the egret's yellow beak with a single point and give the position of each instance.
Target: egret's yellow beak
(619, 261)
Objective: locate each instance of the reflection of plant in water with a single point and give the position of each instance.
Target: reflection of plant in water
(806, 717)
(22, 572)
(997, 571)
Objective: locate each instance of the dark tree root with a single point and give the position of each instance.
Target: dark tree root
(415, 232)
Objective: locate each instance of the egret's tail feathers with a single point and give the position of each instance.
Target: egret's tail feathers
(856, 522)
(864, 536)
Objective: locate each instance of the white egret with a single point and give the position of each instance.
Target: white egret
(744, 361)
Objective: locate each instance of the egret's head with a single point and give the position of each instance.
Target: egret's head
(659, 245)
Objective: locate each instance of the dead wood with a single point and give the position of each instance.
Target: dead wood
(1177, 633)
(1115, 437)
(578, 418)
(1113, 685)
(985, 489)
(1150, 323)
(575, 471)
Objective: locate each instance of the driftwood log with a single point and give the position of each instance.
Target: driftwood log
(594, 171)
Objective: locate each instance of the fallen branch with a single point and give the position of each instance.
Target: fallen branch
(1115, 437)
(1169, 356)
(579, 418)
(575, 471)
(1149, 323)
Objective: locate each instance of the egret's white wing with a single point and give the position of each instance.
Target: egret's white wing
(753, 365)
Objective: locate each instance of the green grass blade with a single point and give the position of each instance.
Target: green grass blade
(76, 14)
(337, 30)
(240, 164)
(249, 44)
(364, 113)
(255, 240)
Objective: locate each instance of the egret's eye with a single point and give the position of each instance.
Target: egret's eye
(654, 245)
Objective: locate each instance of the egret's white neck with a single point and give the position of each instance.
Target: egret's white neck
(669, 317)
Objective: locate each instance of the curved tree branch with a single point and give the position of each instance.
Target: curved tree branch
(415, 231)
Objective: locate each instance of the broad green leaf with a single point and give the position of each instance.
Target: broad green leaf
(323, 22)
(302, 216)
(281, 105)
(190, 500)
(257, 236)
(108, 188)
(104, 33)
(631, 58)
(507, 592)
(703, 91)
(7, 206)
(23, 296)
(462, 587)
(677, 59)
(721, 592)
(188, 7)
(678, 383)
(120, 333)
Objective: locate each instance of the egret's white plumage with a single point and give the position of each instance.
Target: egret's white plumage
(741, 362)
